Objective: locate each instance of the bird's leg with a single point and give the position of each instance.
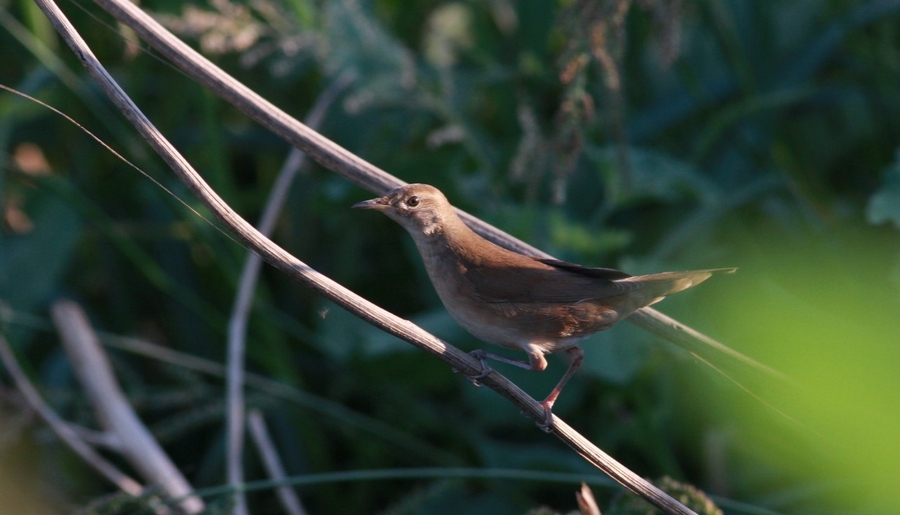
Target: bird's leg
(483, 356)
(577, 356)
(535, 362)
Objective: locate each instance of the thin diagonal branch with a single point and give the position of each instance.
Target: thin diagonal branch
(338, 412)
(289, 499)
(243, 300)
(63, 430)
(113, 410)
(360, 307)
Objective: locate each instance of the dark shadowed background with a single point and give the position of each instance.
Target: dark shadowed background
(644, 135)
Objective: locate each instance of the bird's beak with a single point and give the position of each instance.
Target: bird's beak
(378, 204)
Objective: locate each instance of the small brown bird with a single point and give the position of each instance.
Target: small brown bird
(516, 301)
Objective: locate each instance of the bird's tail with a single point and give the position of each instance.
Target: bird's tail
(655, 287)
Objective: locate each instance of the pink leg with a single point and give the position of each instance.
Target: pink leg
(535, 362)
(484, 355)
(577, 356)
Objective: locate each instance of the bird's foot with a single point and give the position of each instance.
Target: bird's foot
(546, 424)
(486, 369)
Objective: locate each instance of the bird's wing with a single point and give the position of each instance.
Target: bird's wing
(610, 274)
(546, 281)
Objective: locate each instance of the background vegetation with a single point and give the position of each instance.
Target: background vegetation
(649, 135)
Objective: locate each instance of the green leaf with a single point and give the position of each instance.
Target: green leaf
(616, 355)
(582, 239)
(650, 175)
(342, 335)
(356, 40)
(31, 264)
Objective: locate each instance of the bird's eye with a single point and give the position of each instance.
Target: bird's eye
(412, 201)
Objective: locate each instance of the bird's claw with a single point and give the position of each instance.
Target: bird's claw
(485, 368)
(545, 425)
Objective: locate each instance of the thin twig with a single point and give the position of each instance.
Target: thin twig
(113, 410)
(360, 307)
(62, 428)
(274, 388)
(272, 462)
(98, 438)
(240, 311)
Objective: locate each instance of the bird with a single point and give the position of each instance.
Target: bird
(532, 304)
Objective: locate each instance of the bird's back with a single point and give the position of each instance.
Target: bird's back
(502, 296)
(549, 319)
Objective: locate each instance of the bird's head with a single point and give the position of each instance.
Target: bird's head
(421, 209)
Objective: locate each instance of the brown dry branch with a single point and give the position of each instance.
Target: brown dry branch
(65, 431)
(260, 433)
(240, 311)
(586, 501)
(337, 412)
(137, 444)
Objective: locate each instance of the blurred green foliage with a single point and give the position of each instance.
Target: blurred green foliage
(648, 136)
